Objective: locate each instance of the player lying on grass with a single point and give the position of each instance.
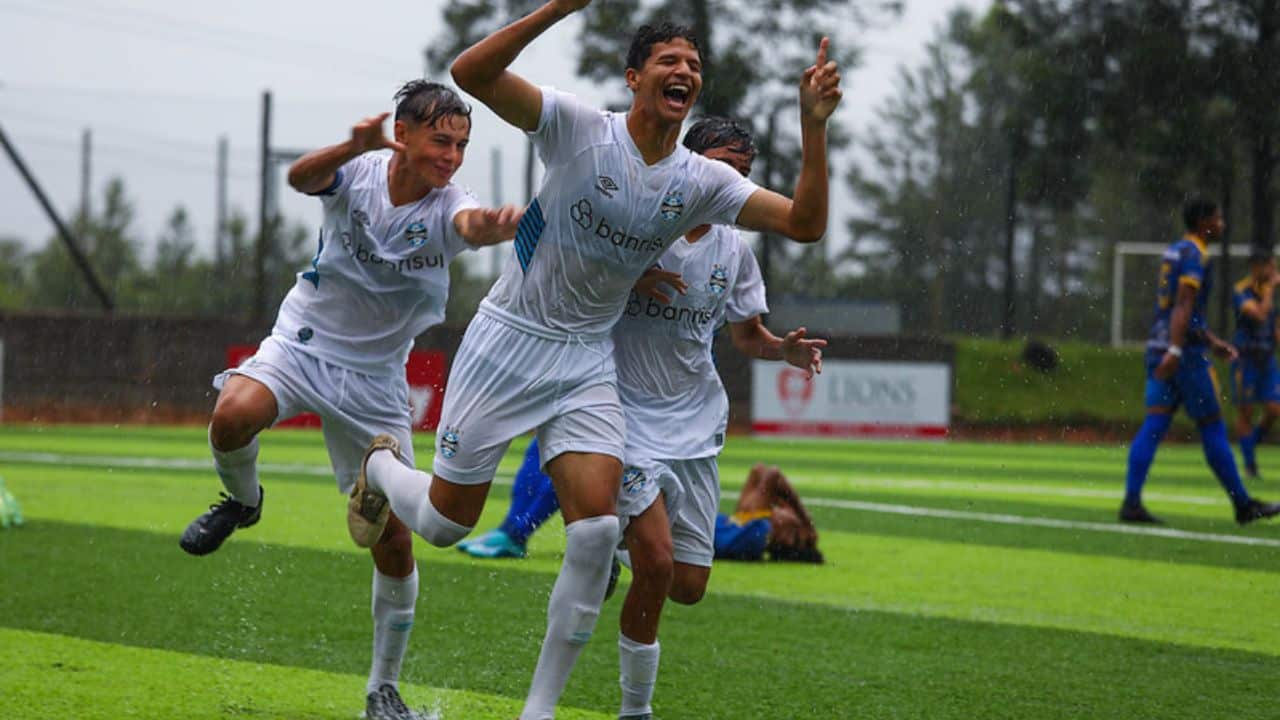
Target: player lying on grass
(392, 223)
(1255, 379)
(1179, 372)
(618, 191)
(768, 522)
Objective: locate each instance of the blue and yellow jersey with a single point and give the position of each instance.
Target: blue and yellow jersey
(1186, 262)
(1255, 340)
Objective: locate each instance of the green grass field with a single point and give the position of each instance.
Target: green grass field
(963, 581)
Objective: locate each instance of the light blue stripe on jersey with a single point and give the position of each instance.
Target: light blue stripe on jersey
(528, 232)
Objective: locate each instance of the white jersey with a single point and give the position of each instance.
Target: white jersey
(381, 274)
(674, 402)
(602, 217)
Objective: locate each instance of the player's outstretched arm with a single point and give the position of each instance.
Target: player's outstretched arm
(317, 170)
(482, 71)
(488, 226)
(754, 340)
(804, 217)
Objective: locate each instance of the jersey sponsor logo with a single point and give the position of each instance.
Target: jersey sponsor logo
(583, 214)
(365, 256)
(305, 334)
(361, 217)
(719, 279)
(672, 205)
(653, 309)
(449, 442)
(606, 185)
(633, 480)
(416, 234)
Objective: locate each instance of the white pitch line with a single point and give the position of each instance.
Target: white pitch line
(1003, 519)
(909, 510)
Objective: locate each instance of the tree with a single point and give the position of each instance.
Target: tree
(108, 245)
(14, 285)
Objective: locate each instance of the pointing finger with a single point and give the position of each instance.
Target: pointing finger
(822, 51)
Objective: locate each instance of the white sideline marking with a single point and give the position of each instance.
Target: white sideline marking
(910, 510)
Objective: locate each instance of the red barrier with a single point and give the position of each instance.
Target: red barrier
(425, 370)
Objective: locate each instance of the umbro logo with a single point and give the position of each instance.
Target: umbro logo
(606, 185)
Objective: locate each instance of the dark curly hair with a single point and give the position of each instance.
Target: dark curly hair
(713, 132)
(647, 36)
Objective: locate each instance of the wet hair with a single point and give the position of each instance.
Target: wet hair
(421, 101)
(647, 36)
(714, 132)
(1197, 209)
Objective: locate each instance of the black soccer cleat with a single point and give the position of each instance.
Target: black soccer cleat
(207, 532)
(1256, 509)
(1137, 513)
(385, 704)
(615, 572)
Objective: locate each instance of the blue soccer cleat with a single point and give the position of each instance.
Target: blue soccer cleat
(493, 544)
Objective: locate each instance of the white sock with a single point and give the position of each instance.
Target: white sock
(238, 470)
(393, 603)
(409, 492)
(639, 665)
(573, 609)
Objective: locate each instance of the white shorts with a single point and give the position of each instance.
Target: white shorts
(691, 492)
(507, 379)
(353, 406)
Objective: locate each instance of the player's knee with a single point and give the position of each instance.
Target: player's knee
(440, 530)
(652, 564)
(591, 538)
(231, 426)
(687, 592)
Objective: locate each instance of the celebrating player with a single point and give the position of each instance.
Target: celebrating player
(392, 223)
(618, 190)
(1179, 373)
(1254, 375)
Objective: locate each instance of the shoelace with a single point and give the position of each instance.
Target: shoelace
(392, 698)
(226, 501)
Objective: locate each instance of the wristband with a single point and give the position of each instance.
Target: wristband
(1174, 350)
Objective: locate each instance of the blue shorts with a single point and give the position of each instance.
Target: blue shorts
(1194, 386)
(1254, 381)
(740, 540)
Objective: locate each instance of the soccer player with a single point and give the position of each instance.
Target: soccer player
(392, 223)
(1254, 375)
(769, 517)
(1179, 373)
(617, 191)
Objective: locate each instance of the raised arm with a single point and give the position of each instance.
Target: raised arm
(481, 69)
(317, 170)
(804, 217)
(754, 340)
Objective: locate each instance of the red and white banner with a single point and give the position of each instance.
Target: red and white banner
(425, 370)
(852, 398)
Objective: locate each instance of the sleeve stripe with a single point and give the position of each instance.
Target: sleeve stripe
(1188, 280)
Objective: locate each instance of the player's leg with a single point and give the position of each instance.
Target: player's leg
(1243, 385)
(1198, 386)
(693, 525)
(250, 398)
(587, 485)
(394, 599)
(648, 541)
(1161, 398)
(1268, 393)
(533, 502)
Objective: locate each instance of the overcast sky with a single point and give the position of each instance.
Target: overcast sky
(158, 82)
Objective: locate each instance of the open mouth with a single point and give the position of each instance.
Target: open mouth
(677, 95)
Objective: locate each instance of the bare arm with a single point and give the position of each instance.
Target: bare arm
(1178, 321)
(317, 170)
(804, 217)
(488, 226)
(754, 340)
(481, 69)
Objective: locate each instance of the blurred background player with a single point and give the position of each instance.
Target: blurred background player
(1255, 379)
(392, 223)
(1179, 372)
(617, 191)
(769, 517)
